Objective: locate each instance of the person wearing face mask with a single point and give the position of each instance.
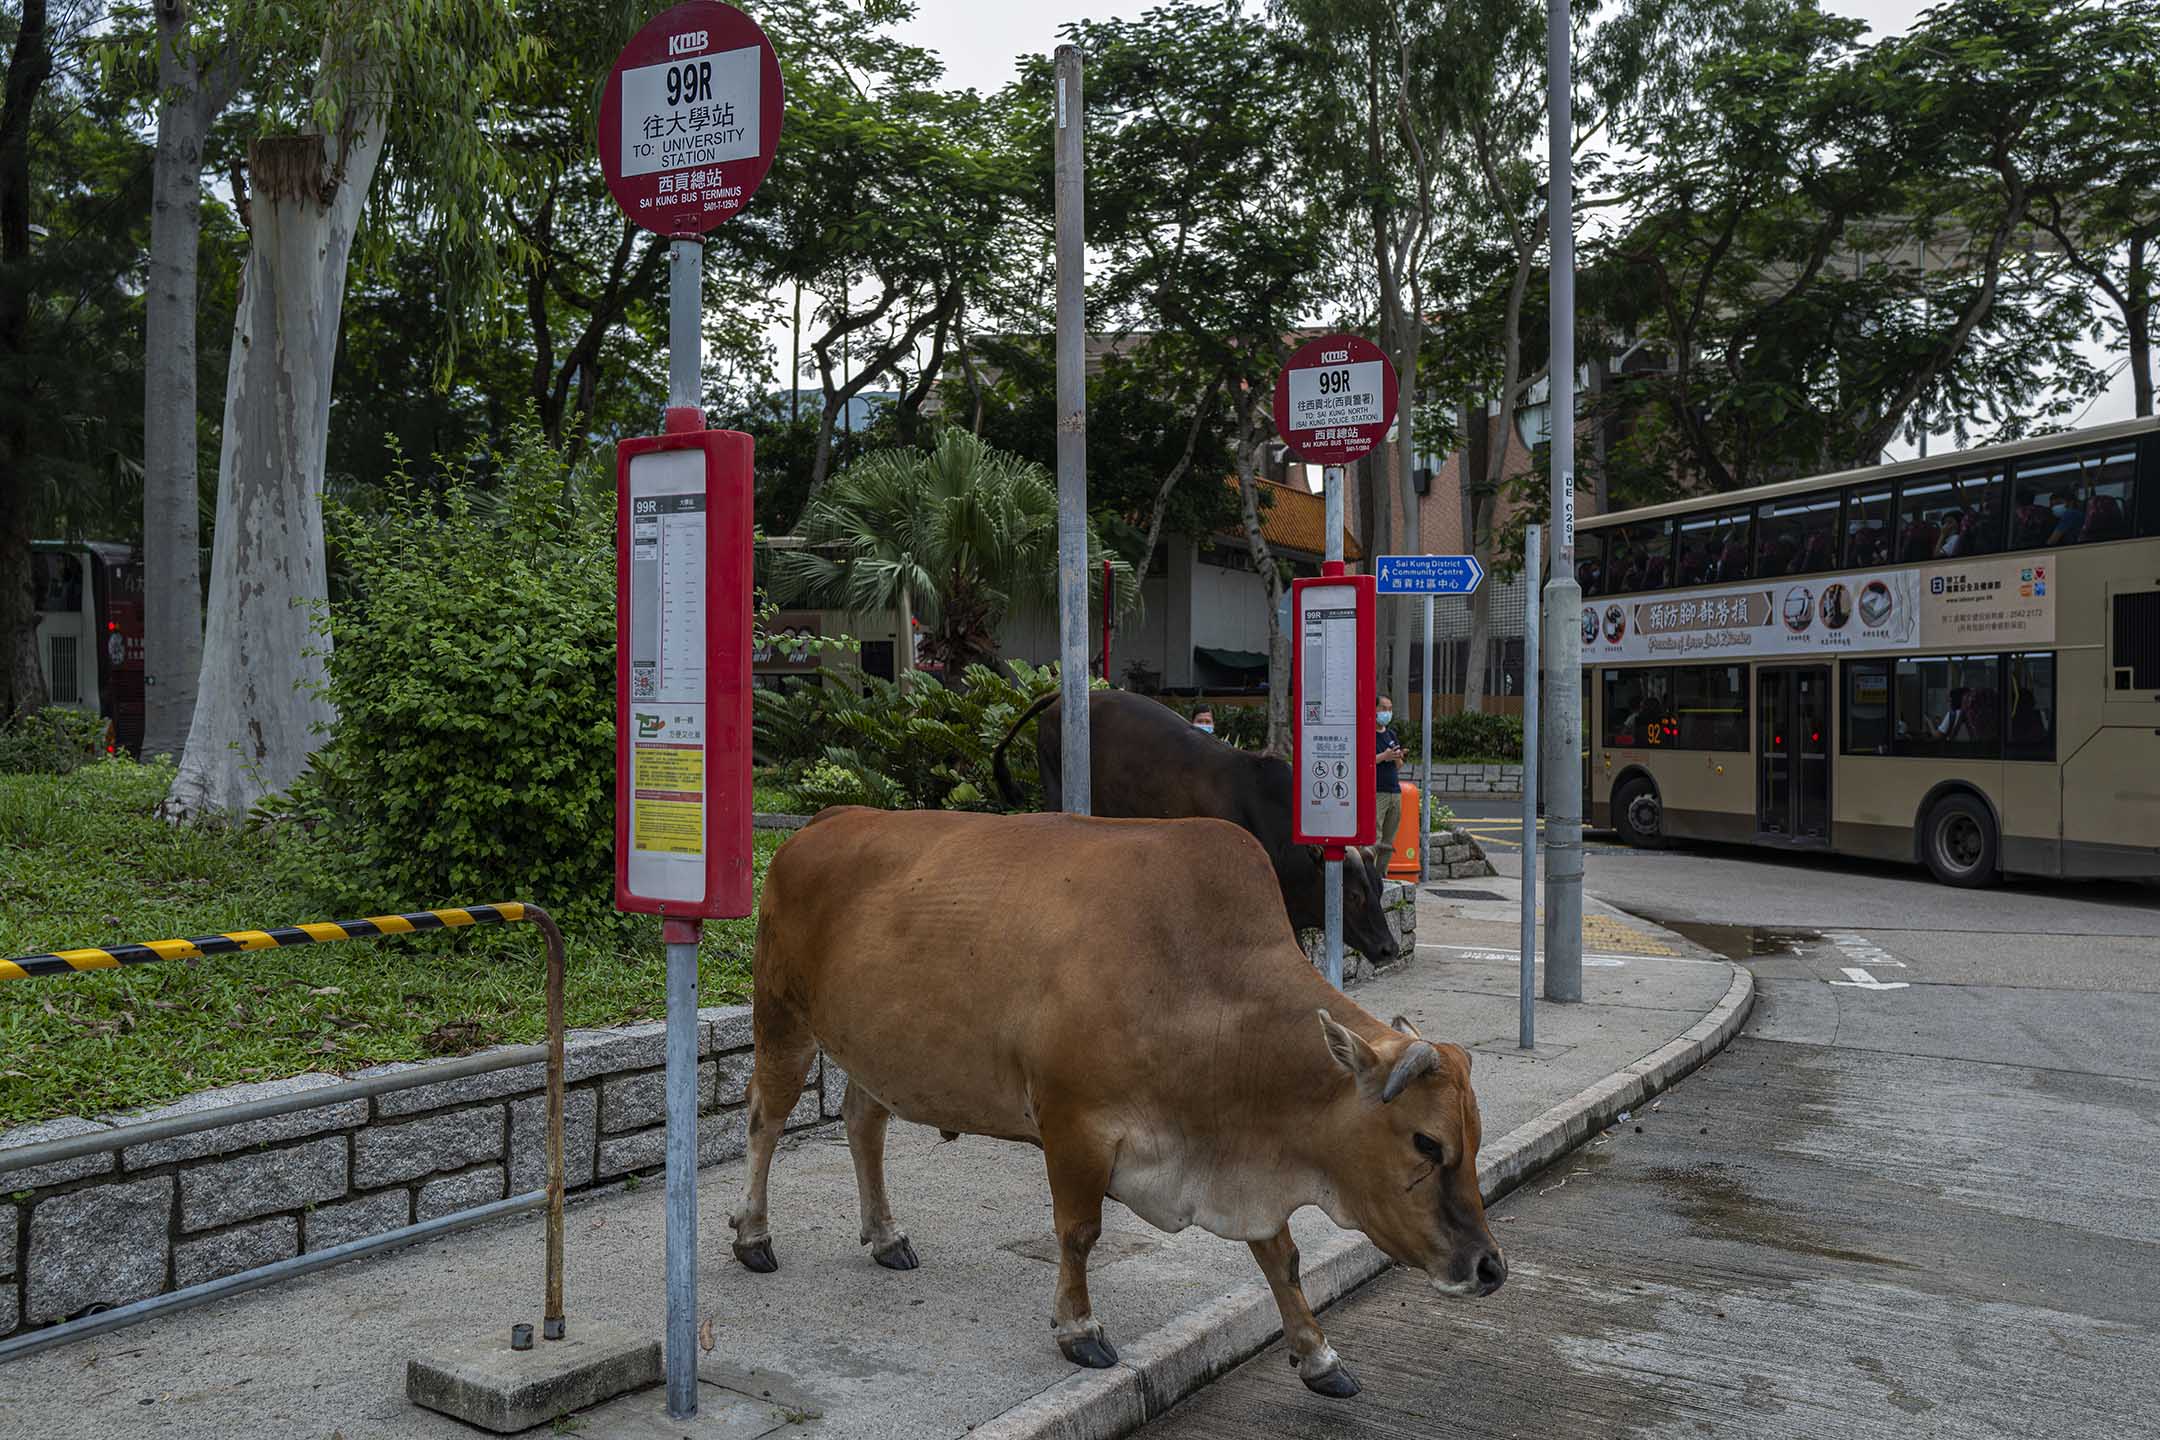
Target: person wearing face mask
(1387, 812)
(1203, 720)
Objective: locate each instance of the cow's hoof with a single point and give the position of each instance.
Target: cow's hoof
(1336, 1383)
(757, 1256)
(899, 1255)
(1093, 1351)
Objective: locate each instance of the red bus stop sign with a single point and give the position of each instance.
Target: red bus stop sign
(690, 118)
(1335, 399)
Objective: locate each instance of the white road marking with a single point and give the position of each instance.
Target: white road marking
(1859, 979)
(1859, 947)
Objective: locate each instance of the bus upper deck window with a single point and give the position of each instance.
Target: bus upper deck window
(59, 580)
(1713, 548)
(1796, 536)
(1590, 562)
(1945, 517)
(1639, 557)
(2070, 499)
(1867, 526)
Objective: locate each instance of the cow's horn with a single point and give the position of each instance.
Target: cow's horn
(1418, 1058)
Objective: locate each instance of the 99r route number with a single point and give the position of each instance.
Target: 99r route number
(689, 83)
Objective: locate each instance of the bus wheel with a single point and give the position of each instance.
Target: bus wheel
(1958, 842)
(1637, 815)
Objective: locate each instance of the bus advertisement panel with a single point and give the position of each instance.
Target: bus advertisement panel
(1994, 602)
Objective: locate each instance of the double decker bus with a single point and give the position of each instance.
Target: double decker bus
(89, 597)
(1953, 661)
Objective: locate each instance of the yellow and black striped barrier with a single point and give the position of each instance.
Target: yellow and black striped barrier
(509, 912)
(65, 962)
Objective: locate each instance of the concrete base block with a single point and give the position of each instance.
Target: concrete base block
(486, 1383)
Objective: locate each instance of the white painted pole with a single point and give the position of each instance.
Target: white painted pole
(1332, 879)
(1070, 187)
(1425, 805)
(1563, 597)
(1526, 1026)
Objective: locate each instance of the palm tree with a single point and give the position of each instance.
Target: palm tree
(956, 537)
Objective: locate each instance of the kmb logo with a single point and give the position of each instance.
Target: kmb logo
(687, 43)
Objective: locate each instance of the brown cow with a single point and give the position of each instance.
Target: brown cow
(1150, 764)
(1036, 978)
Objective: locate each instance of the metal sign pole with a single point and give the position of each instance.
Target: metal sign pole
(1563, 596)
(1425, 805)
(1332, 880)
(683, 584)
(1527, 1026)
(1070, 187)
(686, 273)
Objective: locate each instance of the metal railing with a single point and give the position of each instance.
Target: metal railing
(47, 1152)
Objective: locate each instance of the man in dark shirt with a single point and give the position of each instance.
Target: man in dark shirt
(1387, 812)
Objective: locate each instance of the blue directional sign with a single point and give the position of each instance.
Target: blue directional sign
(1428, 574)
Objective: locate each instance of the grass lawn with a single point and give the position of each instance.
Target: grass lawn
(84, 861)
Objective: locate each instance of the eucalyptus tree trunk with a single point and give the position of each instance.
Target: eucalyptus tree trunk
(172, 563)
(30, 63)
(260, 713)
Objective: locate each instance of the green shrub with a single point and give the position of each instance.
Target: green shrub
(866, 741)
(52, 741)
(473, 671)
(1244, 726)
(1464, 737)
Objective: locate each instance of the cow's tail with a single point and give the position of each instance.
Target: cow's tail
(1007, 787)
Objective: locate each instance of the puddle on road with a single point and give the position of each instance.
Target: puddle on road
(1742, 942)
(1718, 1205)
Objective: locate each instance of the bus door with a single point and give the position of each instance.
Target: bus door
(1792, 754)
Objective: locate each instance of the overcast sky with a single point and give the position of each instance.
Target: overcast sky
(980, 41)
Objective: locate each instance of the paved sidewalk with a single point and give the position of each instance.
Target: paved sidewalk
(835, 1346)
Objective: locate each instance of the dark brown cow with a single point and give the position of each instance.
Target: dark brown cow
(1125, 995)
(1145, 762)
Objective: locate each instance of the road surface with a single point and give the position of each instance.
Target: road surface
(1914, 1199)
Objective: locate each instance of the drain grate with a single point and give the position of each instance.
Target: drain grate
(1464, 894)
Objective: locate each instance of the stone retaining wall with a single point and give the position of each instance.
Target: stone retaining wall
(103, 1230)
(1472, 779)
(1399, 897)
(1456, 855)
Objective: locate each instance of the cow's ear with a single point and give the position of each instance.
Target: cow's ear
(1402, 1023)
(1353, 1054)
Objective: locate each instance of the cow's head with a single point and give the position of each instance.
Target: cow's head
(1365, 924)
(1408, 1165)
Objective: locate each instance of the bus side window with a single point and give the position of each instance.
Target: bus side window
(59, 582)
(1867, 707)
(2029, 702)
(1638, 709)
(1949, 705)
